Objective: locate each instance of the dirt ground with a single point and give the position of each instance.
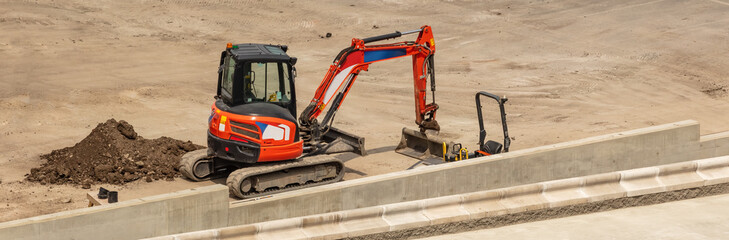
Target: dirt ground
(571, 69)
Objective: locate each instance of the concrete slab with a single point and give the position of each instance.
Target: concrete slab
(245, 232)
(182, 211)
(449, 209)
(641, 181)
(524, 198)
(364, 220)
(445, 209)
(205, 234)
(405, 215)
(714, 170)
(714, 145)
(680, 176)
(484, 204)
(281, 229)
(693, 219)
(564, 192)
(603, 186)
(324, 226)
(638, 148)
(286, 205)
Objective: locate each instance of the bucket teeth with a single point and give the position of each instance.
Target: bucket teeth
(425, 146)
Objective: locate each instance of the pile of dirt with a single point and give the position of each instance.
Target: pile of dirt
(113, 153)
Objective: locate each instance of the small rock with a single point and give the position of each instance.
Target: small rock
(66, 200)
(187, 146)
(139, 164)
(64, 172)
(126, 129)
(102, 169)
(130, 177)
(148, 179)
(129, 169)
(86, 186)
(169, 179)
(328, 35)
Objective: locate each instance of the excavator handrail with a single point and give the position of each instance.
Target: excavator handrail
(482, 131)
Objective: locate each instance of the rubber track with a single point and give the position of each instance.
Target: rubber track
(236, 177)
(188, 160)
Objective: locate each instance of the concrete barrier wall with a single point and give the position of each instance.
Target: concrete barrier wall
(183, 211)
(473, 206)
(651, 146)
(714, 145)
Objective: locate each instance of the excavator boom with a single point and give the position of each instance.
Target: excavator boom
(349, 62)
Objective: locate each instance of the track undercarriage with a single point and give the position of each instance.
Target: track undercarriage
(265, 178)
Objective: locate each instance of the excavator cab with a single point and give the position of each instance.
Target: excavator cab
(253, 118)
(253, 135)
(266, 78)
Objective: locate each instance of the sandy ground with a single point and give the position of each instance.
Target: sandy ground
(571, 69)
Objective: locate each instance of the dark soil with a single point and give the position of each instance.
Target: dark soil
(113, 153)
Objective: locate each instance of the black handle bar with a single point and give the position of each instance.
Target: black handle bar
(482, 131)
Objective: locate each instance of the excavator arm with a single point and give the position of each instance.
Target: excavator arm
(349, 62)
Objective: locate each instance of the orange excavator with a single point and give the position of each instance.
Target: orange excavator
(253, 133)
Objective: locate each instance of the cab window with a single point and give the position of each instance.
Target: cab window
(267, 82)
(228, 73)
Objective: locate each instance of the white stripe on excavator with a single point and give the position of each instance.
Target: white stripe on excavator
(338, 80)
(287, 131)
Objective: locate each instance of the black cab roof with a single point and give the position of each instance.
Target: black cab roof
(260, 52)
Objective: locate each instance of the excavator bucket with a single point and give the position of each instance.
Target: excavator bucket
(340, 141)
(427, 147)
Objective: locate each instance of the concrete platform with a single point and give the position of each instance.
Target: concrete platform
(506, 205)
(182, 211)
(693, 219)
(651, 146)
